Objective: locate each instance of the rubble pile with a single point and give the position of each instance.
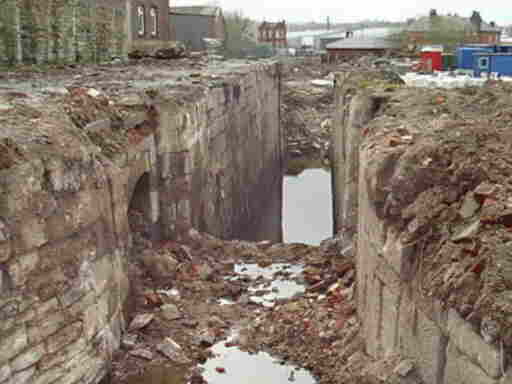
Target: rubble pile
(448, 194)
(306, 112)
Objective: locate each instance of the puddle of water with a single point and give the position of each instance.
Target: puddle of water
(281, 287)
(307, 207)
(243, 367)
(159, 374)
(254, 270)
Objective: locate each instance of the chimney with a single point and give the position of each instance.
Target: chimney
(476, 21)
(433, 13)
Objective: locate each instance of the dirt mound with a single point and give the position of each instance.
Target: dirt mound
(444, 182)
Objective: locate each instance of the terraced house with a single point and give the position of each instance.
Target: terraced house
(38, 31)
(439, 29)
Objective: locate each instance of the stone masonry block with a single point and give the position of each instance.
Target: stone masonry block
(103, 273)
(41, 327)
(5, 373)
(12, 344)
(461, 370)
(20, 268)
(389, 323)
(64, 337)
(75, 212)
(397, 254)
(28, 358)
(472, 345)
(421, 339)
(62, 355)
(24, 377)
(30, 234)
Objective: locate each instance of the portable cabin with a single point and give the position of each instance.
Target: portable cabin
(500, 63)
(504, 48)
(465, 54)
(431, 57)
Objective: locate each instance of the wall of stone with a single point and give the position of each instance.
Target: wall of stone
(64, 230)
(397, 317)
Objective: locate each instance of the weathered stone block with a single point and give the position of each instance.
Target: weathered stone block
(40, 328)
(472, 345)
(421, 339)
(28, 358)
(461, 370)
(75, 212)
(21, 267)
(60, 356)
(12, 343)
(5, 372)
(31, 234)
(103, 272)
(21, 187)
(24, 377)
(63, 337)
(389, 322)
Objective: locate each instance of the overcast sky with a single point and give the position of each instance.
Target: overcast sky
(349, 11)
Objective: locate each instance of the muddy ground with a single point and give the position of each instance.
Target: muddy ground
(194, 293)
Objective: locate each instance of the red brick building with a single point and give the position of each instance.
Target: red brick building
(467, 30)
(148, 23)
(273, 33)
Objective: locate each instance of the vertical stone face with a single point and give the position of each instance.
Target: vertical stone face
(397, 317)
(65, 236)
(354, 110)
(220, 157)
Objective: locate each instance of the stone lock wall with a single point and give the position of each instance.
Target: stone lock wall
(64, 230)
(397, 318)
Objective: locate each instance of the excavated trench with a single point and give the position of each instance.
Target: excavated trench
(299, 210)
(303, 210)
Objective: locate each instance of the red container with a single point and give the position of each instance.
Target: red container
(432, 59)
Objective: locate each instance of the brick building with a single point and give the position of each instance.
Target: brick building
(355, 47)
(192, 24)
(273, 33)
(467, 30)
(40, 31)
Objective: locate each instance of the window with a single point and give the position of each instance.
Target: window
(153, 15)
(141, 25)
(483, 63)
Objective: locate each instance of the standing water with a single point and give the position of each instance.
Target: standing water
(307, 207)
(299, 213)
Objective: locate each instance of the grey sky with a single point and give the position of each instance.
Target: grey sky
(397, 10)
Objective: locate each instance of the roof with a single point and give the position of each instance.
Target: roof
(491, 54)
(269, 25)
(362, 43)
(197, 10)
(424, 24)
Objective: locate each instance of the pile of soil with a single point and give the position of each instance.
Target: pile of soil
(446, 186)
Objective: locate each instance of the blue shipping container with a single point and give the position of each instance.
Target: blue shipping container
(465, 55)
(504, 49)
(500, 63)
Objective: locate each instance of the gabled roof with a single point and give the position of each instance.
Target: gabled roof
(359, 43)
(197, 10)
(424, 24)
